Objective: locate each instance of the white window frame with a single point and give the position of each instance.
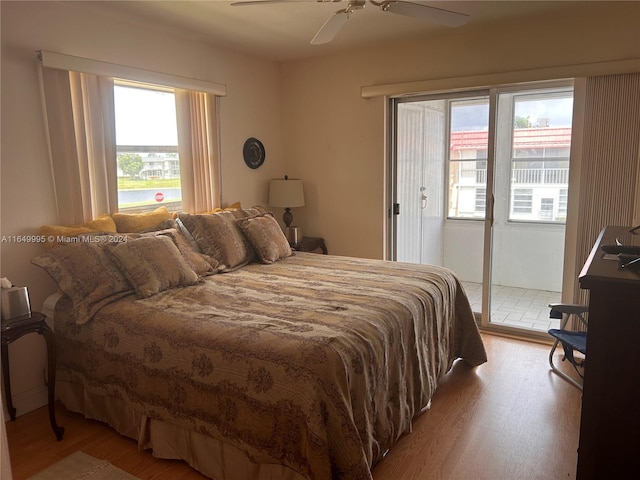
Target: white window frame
(540, 92)
(154, 149)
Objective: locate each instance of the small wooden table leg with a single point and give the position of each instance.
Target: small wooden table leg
(7, 381)
(46, 332)
(13, 330)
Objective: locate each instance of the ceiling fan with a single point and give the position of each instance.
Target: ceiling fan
(336, 21)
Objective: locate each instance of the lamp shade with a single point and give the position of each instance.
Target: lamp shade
(286, 193)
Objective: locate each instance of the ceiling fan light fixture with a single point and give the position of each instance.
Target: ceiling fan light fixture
(356, 5)
(423, 12)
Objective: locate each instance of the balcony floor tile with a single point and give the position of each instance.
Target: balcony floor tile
(519, 307)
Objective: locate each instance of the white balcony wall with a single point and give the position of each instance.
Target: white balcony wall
(524, 259)
(463, 248)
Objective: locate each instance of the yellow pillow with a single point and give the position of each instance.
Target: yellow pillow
(54, 233)
(135, 222)
(233, 206)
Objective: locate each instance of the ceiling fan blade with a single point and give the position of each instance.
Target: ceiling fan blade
(425, 12)
(331, 27)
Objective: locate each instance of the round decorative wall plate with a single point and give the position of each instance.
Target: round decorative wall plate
(253, 153)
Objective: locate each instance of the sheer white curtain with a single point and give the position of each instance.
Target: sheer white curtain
(610, 160)
(198, 148)
(81, 129)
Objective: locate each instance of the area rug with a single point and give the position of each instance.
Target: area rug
(80, 466)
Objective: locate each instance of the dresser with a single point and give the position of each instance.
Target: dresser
(610, 421)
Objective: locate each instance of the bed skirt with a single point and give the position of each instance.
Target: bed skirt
(211, 457)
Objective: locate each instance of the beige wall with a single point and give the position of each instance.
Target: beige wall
(336, 140)
(250, 109)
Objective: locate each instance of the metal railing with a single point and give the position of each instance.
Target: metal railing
(548, 176)
(520, 176)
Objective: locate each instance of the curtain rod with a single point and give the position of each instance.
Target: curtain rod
(97, 67)
(501, 78)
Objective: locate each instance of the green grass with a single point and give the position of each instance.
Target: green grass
(129, 184)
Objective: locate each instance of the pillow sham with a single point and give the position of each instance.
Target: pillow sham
(220, 238)
(266, 237)
(136, 222)
(182, 228)
(201, 264)
(52, 233)
(163, 225)
(87, 275)
(249, 212)
(153, 264)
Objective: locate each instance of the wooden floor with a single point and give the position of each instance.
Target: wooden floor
(508, 419)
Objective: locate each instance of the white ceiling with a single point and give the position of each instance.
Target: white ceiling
(282, 31)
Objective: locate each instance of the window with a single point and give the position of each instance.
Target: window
(468, 146)
(562, 203)
(533, 138)
(481, 200)
(522, 201)
(147, 147)
(546, 209)
(540, 144)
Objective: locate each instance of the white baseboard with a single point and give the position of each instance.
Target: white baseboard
(30, 400)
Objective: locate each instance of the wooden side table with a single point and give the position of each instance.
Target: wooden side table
(14, 329)
(312, 245)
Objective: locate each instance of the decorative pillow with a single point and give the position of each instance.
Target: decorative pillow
(249, 212)
(187, 234)
(266, 237)
(201, 264)
(136, 222)
(233, 206)
(153, 264)
(163, 225)
(219, 237)
(87, 275)
(53, 233)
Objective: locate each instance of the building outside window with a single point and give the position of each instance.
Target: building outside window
(537, 168)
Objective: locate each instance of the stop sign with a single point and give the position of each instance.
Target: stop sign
(159, 197)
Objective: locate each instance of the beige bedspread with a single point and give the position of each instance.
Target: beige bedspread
(315, 362)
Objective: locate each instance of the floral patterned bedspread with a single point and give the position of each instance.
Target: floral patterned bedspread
(315, 362)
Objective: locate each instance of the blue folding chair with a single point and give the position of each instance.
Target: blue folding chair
(571, 340)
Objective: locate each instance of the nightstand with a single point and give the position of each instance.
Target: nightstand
(312, 245)
(12, 330)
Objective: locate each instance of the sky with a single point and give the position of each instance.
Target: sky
(473, 115)
(145, 117)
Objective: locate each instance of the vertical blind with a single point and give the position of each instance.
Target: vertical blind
(610, 162)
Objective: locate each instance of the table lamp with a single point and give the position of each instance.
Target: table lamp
(287, 193)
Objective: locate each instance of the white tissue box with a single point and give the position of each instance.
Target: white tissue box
(15, 302)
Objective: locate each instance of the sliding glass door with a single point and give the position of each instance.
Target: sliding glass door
(480, 186)
(533, 138)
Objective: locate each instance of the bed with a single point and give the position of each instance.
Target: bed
(308, 367)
